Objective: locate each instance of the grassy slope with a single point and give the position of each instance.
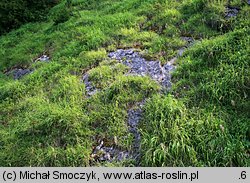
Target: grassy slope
(46, 119)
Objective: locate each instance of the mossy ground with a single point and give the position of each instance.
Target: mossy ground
(46, 119)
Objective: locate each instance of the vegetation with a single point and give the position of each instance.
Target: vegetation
(47, 118)
(14, 13)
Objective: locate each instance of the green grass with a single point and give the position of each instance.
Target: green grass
(47, 119)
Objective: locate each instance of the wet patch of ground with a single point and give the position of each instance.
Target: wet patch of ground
(138, 66)
(135, 115)
(103, 153)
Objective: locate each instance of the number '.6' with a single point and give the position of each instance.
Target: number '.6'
(243, 175)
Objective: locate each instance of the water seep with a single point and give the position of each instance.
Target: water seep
(138, 66)
(134, 117)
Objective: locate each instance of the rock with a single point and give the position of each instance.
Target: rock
(231, 12)
(169, 66)
(140, 66)
(18, 73)
(134, 116)
(43, 58)
(122, 156)
(107, 157)
(155, 70)
(248, 2)
(180, 52)
(188, 40)
(166, 81)
(103, 153)
(100, 146)
(90, 89)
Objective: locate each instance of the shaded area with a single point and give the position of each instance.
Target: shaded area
(14, 13)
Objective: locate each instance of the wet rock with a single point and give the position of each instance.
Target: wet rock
(18, 73)
(103, 153)
(155, 70)
(140, 66)
(180, 52)
(43, 58)
(123, 156)
(134, 117)
(121, 54)
(231, 12)
(188, 40)
(166, 81)
(170, 64)
(90, 89)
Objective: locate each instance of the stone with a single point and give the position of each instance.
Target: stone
(231, 12)
(104, 153)
(140, 66)
(187, 39)
(44, 58)
(18, 73)
(90, 89)
(122, 156)
(180, 52)
(169, 67)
